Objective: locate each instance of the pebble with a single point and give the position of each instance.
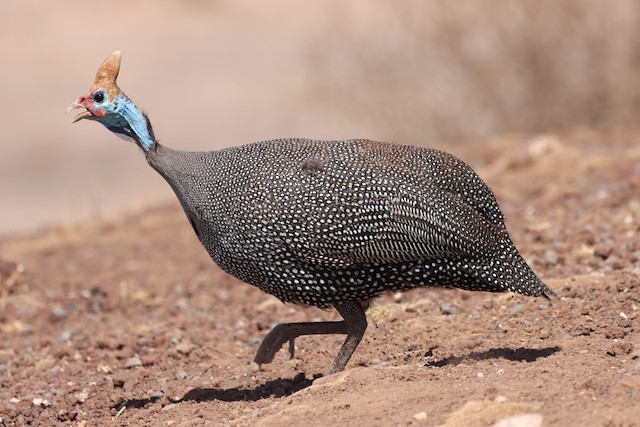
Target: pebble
(118, 382)
(550, 257)
(133, 362)
(81, 397)
(169, 407)
(156, 395)
(231, 384)
(185, 348)
(59, 313)
(43, 403)
(447, 309)
(66, 335)
(181, 375)
(254, 341)
(420, 416)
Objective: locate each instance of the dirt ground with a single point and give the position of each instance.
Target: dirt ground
(126, 321)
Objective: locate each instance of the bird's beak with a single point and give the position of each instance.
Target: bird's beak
(83, 115)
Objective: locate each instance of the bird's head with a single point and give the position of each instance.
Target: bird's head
(107, 104)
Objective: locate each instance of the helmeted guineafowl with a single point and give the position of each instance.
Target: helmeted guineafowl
(329, 223)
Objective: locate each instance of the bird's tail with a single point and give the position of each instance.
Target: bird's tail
(526, 282)
(508, 272)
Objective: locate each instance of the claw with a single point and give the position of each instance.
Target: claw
(292, 347)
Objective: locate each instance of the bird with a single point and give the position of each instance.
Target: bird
(328, 223)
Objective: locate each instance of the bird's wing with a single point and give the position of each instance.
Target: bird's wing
(405, 224)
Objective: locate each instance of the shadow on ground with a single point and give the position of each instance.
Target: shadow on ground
(516, 355)
(275, 388)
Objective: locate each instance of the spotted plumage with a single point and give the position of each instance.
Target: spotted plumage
(331, 223)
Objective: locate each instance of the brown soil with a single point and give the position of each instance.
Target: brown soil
(128, 322)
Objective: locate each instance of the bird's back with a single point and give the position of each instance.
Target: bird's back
(319, 221)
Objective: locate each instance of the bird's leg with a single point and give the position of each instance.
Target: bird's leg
(354, 325)
(284, 332)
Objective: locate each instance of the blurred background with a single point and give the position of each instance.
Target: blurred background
(217, 73)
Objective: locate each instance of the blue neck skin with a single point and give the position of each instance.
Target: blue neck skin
(129, 123)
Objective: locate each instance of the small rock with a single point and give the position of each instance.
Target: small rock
(181, 375)
(420, 416)
(447, 309)
(14, 400)
(603, 251)
(103, 368)
(133, 362)
(81, 397)
(118, 382)
(185, 348)
(230, 385)
(66, 335)
(550, 257)
(169, 407)
(480, 375)
(58, 313)
(64, 415)
(43, 403)
(156, 395)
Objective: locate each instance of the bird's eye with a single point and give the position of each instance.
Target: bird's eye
(98, 97)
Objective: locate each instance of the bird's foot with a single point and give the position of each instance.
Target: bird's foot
(274, 342)
(284, 332)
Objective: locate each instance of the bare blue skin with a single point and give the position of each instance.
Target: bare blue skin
(124, 118)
